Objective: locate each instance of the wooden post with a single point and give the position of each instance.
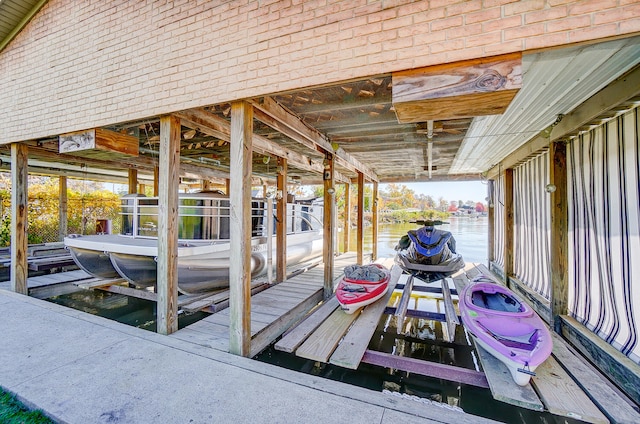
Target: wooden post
(491, 230)
(19, 208)
(347, 216)
(360, 219)
(167, 262)
(205, 185)
(374, 218)
(227, 185)
(328, 224)
(133, 180)
(281, 222)
(156, 177)
(508, 224)
(240, 229)
(559, 234)
(64, 207)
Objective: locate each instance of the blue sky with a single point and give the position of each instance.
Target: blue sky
(450, 190)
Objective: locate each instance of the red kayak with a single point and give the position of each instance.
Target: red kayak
(362, 285)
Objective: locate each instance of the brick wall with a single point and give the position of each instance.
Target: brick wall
(80, 64)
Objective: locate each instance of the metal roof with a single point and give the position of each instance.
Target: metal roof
(14, 15)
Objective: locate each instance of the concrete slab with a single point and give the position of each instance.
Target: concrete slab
(80, 368)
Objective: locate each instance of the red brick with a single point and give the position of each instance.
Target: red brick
(569, 23)
(464, 31)
(484, 39)
(630, 26)
(500, 24)
(523, 7)
(464, 7)
(442, 24)
(617, 15)
(524, 32)
(590, 6)
(593, 33)
(545, 15)
(547, 40)
(483, 15)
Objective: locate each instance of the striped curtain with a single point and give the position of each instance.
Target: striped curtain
(604, 223)
(498, 221)
(532, 220)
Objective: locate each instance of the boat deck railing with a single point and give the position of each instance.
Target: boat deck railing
(207, 218)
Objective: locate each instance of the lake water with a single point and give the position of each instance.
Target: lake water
(470, 234)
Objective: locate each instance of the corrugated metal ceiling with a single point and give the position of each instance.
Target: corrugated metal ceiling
(554, 82)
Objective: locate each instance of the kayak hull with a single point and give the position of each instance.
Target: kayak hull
(506, 327)
(354, 293)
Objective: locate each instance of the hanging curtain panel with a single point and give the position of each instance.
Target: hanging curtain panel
(604, 240)
(532, 220)
(498, 221)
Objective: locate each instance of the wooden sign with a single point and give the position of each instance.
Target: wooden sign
(98, 143)
(457, 90)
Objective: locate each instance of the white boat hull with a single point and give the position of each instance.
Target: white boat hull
(202, 265)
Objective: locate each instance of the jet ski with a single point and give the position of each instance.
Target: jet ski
(428, 253)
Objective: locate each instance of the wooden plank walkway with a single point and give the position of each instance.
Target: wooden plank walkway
(273, 311)
(555, 390)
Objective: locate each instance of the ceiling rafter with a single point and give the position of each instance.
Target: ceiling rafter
(218, 127)
(290, 125)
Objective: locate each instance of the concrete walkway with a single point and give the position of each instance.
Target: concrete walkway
(80, 368)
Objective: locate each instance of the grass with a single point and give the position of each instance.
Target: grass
(13, 412)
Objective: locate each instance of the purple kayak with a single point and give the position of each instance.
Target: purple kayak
(506, 327)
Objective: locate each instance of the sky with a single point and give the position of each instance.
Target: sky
(450, 190)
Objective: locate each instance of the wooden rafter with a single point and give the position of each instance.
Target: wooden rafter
(271, 113)
(218, 127)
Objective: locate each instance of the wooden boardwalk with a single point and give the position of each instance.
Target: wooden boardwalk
(273, 310)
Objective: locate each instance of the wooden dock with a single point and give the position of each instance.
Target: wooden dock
(331, 336)
(273, 310)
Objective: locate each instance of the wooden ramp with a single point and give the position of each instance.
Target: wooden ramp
(273, 310)
(552, 389)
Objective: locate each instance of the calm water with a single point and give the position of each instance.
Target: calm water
(470, 234)
(417, 338)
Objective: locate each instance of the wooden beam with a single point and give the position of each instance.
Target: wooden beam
(156, 178)
(374, 207)
(133, 180)
(435, 178)
(241, 132)
(281, 223)
(280, 119)
(508, 224)
(215, 126)
(328, 225)
(559, 234)
(19, 211)
(64, 207)
(471, 88)
(618, 92)
(167, 262)
(347, 216)
(491, 223)
(360, 220)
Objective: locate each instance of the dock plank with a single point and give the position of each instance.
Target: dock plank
(562, 396)
(617, 409)
(321, 344)
(294, 338)
(502, 386)
(351, 349)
